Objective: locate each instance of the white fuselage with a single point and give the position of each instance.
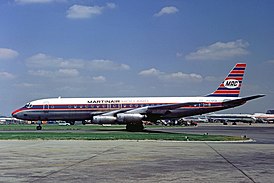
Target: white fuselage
(86, 108)
(130, 100)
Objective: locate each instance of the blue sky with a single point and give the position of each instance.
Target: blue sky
(89, 48)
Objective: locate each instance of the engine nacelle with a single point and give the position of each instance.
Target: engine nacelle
(104, 119)
(121, 118)
(129, 118)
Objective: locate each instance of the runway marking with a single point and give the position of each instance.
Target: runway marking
(74, 164)
(227, 160)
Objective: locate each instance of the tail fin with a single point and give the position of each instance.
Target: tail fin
(231, 85)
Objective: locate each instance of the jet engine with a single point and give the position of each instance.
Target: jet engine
(104, 119)
(121, 118)
(130, 118)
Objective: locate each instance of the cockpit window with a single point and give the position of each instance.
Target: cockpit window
(28, 105)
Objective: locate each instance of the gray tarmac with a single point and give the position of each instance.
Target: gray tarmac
(139, 161)
(261, 133)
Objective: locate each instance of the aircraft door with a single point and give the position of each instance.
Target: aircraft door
(46, 107)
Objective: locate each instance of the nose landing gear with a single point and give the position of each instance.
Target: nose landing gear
(39, 127)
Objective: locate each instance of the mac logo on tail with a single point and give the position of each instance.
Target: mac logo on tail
(231, 83)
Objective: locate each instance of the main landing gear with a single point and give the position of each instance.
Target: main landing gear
(71, 122)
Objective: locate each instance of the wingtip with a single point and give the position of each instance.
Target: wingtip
(255, 96)
(261, 95)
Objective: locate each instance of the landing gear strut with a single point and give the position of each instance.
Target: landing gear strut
(135, 127)
(39, 127)
(71, 122)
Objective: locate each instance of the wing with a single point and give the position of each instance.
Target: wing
(110, 113)
(165, 109)
(114, 113)
(159, 109)
(241, 101)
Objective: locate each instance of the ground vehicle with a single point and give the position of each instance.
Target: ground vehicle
(63, 123)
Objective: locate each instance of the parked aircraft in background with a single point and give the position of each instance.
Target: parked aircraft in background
(224, 118)
(10, 120)
(265, 117)
(132, 111)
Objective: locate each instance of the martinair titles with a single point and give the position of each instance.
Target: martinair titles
(103, 101)
(132, 111)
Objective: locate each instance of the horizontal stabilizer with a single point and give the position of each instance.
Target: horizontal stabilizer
(241, 101)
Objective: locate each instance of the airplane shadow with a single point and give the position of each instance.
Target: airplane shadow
(157, 131)
(124, 130)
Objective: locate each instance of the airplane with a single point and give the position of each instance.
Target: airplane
(132, 111)
(248, 118)
(10, 120)
(267, 117)
(264, 117)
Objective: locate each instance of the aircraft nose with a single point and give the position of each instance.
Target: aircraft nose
(15, 113)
